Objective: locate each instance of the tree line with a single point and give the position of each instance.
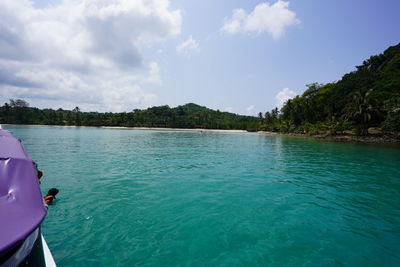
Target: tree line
(365, 98)
(368, 97)
(17, 111)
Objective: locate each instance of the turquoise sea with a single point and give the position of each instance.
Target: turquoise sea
(173, 198)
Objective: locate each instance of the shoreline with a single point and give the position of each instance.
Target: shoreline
(136, 128)
(345, 138)
(171, 129)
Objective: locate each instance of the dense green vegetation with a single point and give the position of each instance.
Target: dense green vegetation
(367, 97)
(186, 116)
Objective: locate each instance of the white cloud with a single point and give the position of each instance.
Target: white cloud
(188, 46)
(154, 74)
(250, 110)
(284, 95)
(270, 18)
(85, 52)
(228, 109)
(110, 92)
(120, 97)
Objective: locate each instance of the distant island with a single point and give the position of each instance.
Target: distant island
(186, 116)
(367, 98)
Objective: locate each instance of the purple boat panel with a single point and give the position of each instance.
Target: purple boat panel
(21, 205)
(11, 147)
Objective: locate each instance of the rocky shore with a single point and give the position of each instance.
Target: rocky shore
(371, 138)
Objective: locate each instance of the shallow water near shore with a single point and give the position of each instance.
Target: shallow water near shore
(170, 198)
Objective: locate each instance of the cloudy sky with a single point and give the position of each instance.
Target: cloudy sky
(239, 56)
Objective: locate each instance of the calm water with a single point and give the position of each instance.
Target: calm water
(165, 198)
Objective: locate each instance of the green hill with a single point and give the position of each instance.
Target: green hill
(186, 116)
(367, 97)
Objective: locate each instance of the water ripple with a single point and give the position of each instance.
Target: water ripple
(151, 198)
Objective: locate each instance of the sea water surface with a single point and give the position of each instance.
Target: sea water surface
(173, 198)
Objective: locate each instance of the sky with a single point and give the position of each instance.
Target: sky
(238, 56)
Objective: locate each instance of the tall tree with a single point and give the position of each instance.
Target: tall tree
(360, 110)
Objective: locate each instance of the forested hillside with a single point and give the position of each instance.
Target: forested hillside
(367, 97)
(186, 116)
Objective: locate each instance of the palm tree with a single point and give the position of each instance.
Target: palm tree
(361, 110)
